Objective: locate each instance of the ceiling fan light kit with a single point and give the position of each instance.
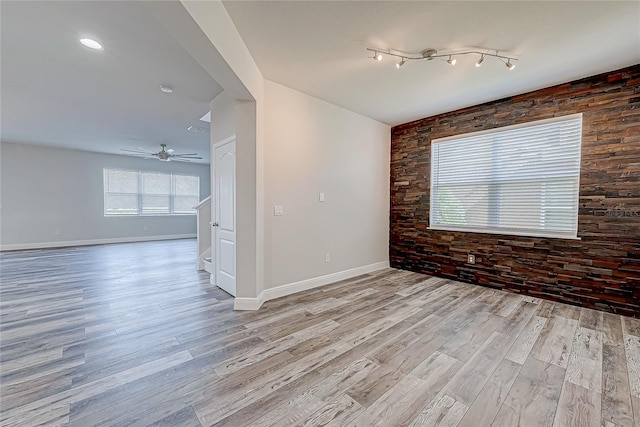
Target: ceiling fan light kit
(163, 155)
(430, 54)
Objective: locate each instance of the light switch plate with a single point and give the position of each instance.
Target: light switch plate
(278, 210)
(322, 197)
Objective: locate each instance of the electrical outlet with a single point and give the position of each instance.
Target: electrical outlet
(57, 232)
(278, 210)
(327, 257)
(471, 259)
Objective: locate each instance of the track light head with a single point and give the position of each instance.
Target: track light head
(451, 61)
(377, 56)
(401, 63)
(479, 63)
(510, 65)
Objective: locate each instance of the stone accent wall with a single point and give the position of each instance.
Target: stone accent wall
(602, 270)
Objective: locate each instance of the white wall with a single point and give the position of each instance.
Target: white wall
(290, 147)
(219, 49)
(312, 146)
(223, 121)
(46, 189)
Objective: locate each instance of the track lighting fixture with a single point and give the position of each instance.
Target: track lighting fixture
(429, 54)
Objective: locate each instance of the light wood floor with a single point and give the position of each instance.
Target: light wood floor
(133, 335)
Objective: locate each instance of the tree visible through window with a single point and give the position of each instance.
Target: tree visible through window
(521, 180)
(149, 193)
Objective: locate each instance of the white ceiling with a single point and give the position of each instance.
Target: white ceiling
(318, 47)
(57, 92)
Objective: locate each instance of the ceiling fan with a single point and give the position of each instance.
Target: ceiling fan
(163, 155)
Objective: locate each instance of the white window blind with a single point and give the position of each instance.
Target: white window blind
(186, 193)
(120, 192)
(149, 193)
(156, 193)
(519, 180)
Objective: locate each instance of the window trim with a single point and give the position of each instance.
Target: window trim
(139, 195)
(506, 230)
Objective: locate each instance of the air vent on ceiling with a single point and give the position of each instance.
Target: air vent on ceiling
(197, 129)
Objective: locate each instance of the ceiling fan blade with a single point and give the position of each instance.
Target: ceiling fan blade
(185, 154)
(143, 155)
(170, 150)
(179, 159)
(187, 157)
(146, 150)
(134, 151)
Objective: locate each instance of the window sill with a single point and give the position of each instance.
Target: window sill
(506, 232)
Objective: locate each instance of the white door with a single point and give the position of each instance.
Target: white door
(224, 217)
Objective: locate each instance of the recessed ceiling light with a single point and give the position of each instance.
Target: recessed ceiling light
(166, 89)
(91, 44)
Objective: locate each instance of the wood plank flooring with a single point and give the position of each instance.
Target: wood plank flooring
(134, 335)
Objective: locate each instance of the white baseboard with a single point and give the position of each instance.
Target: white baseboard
(207, 266)
(67, 243)
(304, 285)
(202, 263)
(248, 303)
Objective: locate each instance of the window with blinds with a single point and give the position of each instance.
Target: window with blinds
(518, 180)
(149, 193)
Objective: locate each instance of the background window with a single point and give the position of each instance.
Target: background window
(521, 180)
(156, 193)
(149, 193)
(120, 192)
(186, 190)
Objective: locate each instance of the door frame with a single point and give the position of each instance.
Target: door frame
(212, 179)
